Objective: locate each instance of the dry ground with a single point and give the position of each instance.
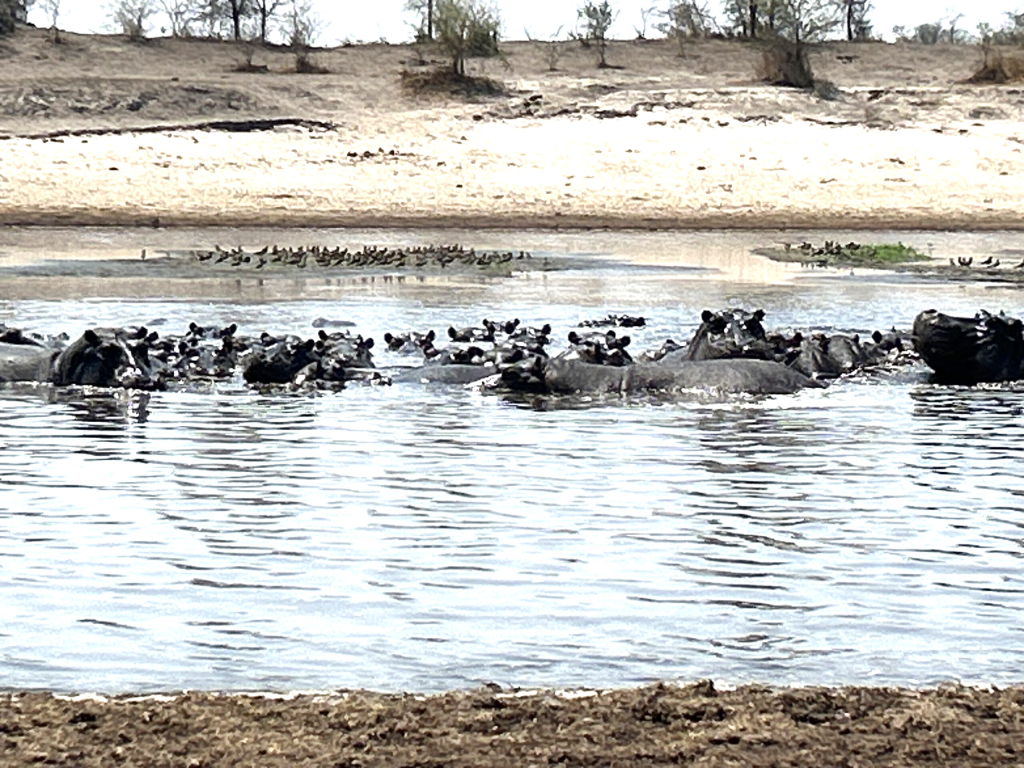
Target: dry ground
(667, 140)
(651, 726)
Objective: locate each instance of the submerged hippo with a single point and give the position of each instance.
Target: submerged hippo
(25, 362)
(735, 376)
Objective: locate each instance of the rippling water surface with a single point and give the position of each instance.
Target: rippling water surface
(421, 537)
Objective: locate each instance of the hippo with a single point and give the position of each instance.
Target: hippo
(106, 357)
(962, 350)
(732, 376)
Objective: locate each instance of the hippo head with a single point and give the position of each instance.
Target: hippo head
(105, 357)
(730, 333)
(985, 348)
(526, 375)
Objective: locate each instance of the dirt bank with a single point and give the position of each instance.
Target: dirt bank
(657, 725)
(665, 141)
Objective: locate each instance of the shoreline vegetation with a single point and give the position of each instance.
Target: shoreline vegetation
(661, 724)
(659, 141)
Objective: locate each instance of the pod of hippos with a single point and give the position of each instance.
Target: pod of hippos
(731, 352)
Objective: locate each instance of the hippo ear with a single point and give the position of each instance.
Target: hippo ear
(192, 327)
(452, 333)
(388, 338)
(368, 344)
(91, 338)
(232, 329)
(322, 335)
(152, 337)
(574, 338)
(877, 337)
(759, 315)
(624, 342)
(140, 332)
(707, 316)
(546, 329)
(308, 345)
(431, 335)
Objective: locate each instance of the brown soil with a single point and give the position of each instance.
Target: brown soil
(650, 726)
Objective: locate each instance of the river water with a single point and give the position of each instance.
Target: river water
(425, 538)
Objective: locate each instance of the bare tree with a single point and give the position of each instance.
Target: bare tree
(552, 48)
(52, 9)
(211, 18)
(596, 19)
(238, 10)
(265, 12)
(645, 17)
(183, 15)
(855, 18)
(954, 35)
(425, 26)
(303, 25)
(132, 16)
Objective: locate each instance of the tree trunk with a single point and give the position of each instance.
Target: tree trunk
(753, 18)
(430, 19)
(849, 19)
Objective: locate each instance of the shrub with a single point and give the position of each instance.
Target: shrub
(447, 81)
(785, 63)
(999, 67)
(596, 19)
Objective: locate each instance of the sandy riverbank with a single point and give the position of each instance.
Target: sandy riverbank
(665, 141)
(650, 726)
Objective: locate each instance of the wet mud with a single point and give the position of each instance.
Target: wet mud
(649, 726)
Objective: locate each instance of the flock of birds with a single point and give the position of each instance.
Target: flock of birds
(418, 257)
(967, 262)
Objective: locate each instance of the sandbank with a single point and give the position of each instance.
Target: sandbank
(667, 141)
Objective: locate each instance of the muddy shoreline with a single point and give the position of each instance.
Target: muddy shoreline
(654, 725)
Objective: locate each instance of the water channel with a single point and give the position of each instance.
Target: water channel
(424, 538)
